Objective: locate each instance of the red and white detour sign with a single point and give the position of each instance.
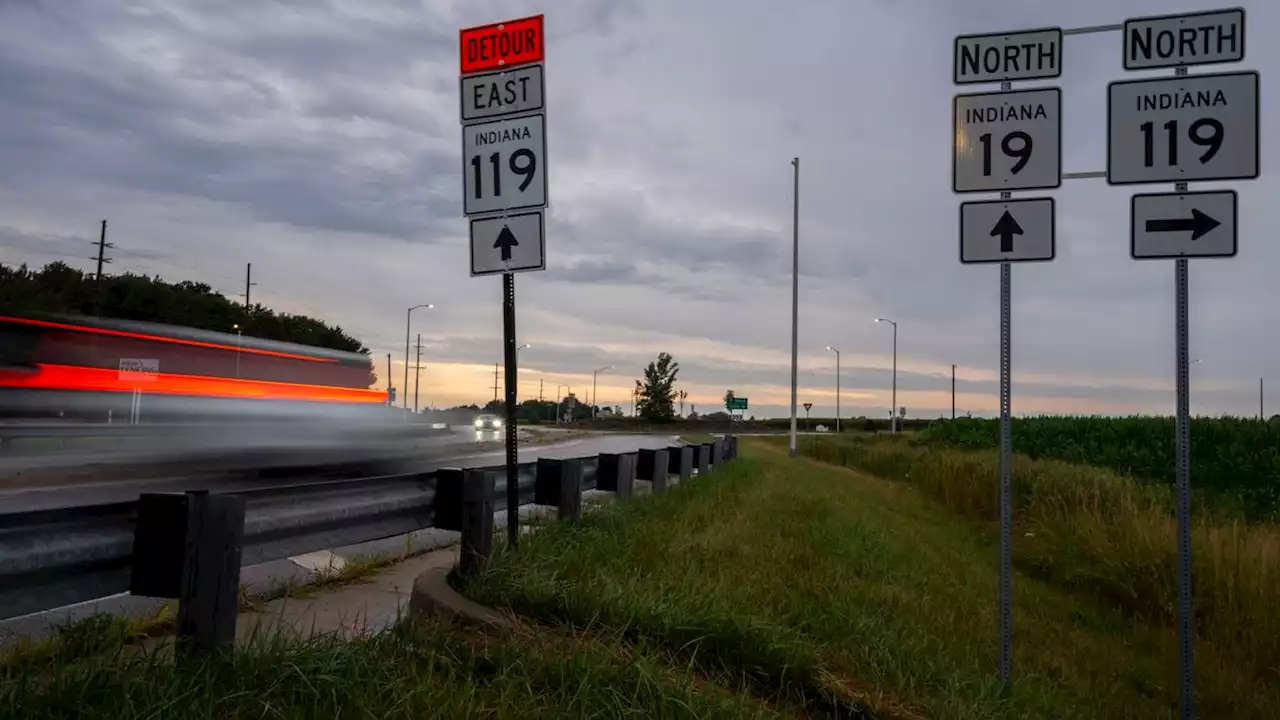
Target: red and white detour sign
(501, 45)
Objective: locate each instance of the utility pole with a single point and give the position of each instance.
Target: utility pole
(795, 299)
(953, 391)
(102, 260)
(248, 288)
(417, 374)
(495, 382)
(390, 388)
(1261, 416)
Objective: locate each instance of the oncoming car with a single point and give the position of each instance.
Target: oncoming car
(488, 422)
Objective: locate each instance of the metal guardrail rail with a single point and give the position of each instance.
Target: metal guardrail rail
(53, 558)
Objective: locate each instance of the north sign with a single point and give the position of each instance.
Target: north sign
(508, 244)
(1183, 225)
(504, 165)
(997, 57)
(1007, 141)
(1202, 38)
(1180, 129)
(506, 92)
(995, 231)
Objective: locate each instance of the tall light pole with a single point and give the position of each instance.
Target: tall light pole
(953, 391)
(236, 327)
(795, 296)
(559, 397)
(595, 405)
(893, 409)
(837, 352)
(408, 318)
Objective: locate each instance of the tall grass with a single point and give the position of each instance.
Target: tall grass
(807, 579)
(1096, 532)
(428, 669)
(1235, 460)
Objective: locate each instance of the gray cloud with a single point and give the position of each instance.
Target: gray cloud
(319, 141)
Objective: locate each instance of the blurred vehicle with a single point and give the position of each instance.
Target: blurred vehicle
(488, 422)
(96, 368)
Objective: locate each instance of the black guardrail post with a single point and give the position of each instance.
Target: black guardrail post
(733, 447)
(448, 499)
(617, 474)
(559, 483)
(477, 522)
(654, 466)
(188, 546)
(210, 593)
(686, 462)
(717, 451)
(704, 458)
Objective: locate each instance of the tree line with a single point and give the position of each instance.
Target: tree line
(60, 288)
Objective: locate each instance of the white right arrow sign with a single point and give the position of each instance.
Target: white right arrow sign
(1177, 225)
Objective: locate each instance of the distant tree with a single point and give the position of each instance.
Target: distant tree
(657, 393)
(693, 412)
(682, 395)
(728, 398)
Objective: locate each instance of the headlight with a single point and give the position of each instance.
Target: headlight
(479, 423)
(497, 423)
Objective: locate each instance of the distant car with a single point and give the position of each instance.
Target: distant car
(488, 422)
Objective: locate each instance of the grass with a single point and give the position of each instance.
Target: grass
(427, 669)
(1234, 461)
(1104, 536)
(852, 594)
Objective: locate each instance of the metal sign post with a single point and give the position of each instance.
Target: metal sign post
(509, 358)
(502, 95)
(1182, 431)
(1006, 476)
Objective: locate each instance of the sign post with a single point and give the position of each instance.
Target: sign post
(502, 102)
(1177, 130)
(1004, 141)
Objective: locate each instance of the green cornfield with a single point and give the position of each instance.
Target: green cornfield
(1234, 461)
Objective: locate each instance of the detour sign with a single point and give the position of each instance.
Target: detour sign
(501, 45)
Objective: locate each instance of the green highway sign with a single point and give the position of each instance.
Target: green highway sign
(737, 403)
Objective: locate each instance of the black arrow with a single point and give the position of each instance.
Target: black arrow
(506, 240)
(1006, 227)
(1199, 224)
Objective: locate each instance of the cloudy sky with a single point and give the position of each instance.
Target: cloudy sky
(319, 140)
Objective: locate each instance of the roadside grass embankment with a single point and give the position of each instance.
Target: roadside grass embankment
(851, 593)
(425, 669)
(1103, 535)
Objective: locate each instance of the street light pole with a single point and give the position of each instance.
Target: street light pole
(595, 405)
(795, 297)
(953, 391)
(408, 318)
(893, 407)
(837, 352)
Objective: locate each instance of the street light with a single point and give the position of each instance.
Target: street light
(236, 327)
(837, 352)
(408, 317)
(893, 407)
(594, 404)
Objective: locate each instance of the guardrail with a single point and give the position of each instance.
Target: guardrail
(191, 546)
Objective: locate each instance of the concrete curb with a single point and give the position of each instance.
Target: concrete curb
(433, 595)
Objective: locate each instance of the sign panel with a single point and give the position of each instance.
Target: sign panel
(506, 92)
(1202, 38)
(504, 165)
(737, 403)
(1178, 225)
(500, 45)
(996, 57)
(1007, 231)
(1196, 127)
(1007, 141)
(139, 369)
(512, 243)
